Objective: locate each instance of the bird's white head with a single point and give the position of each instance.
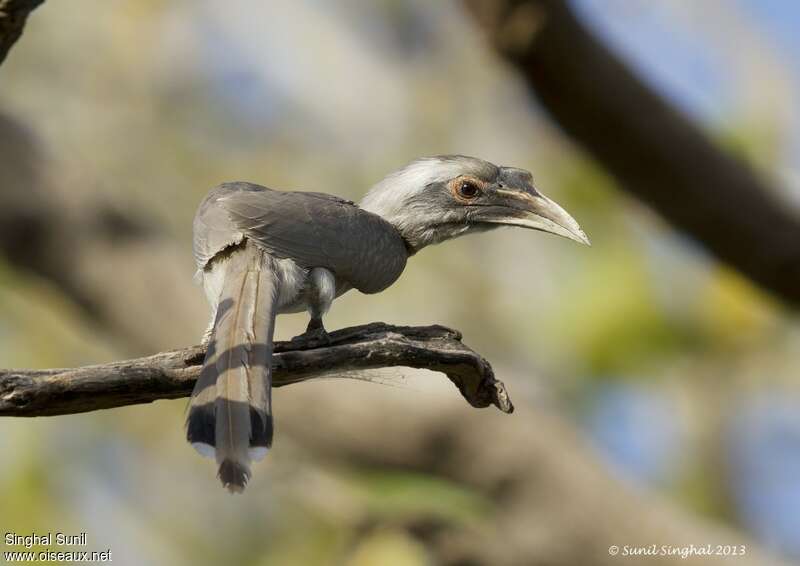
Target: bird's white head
(439, 198)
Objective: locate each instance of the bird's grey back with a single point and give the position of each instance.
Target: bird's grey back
(313, 229)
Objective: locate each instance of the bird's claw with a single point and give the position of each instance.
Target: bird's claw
(314, 337)
(318, 336)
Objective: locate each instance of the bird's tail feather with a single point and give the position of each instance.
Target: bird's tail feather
(230, 412)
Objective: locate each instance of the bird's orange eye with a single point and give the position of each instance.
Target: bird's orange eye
(468, 190)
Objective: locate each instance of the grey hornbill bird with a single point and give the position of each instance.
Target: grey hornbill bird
(262, 252)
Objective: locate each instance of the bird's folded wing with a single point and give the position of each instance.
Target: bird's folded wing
(314, 229)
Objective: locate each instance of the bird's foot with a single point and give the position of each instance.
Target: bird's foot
(315, 335)
(318, 337)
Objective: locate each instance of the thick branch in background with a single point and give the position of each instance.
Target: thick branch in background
(655, 152)
(170, 375)
(45, 234)
(81, 245)
(13, 14)
(551, 504)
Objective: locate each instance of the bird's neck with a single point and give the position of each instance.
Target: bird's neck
(387, 210)
(418, 227)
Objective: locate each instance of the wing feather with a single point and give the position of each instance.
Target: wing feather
(314, 229)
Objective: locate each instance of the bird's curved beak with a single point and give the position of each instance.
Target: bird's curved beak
(533, 210)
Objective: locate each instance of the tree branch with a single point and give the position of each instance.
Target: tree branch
(656, 153)
(13, 14)
(170, 375)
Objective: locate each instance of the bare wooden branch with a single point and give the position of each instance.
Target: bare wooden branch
(13, 14)
(170, 375)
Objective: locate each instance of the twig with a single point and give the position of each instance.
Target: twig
(170, 375)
